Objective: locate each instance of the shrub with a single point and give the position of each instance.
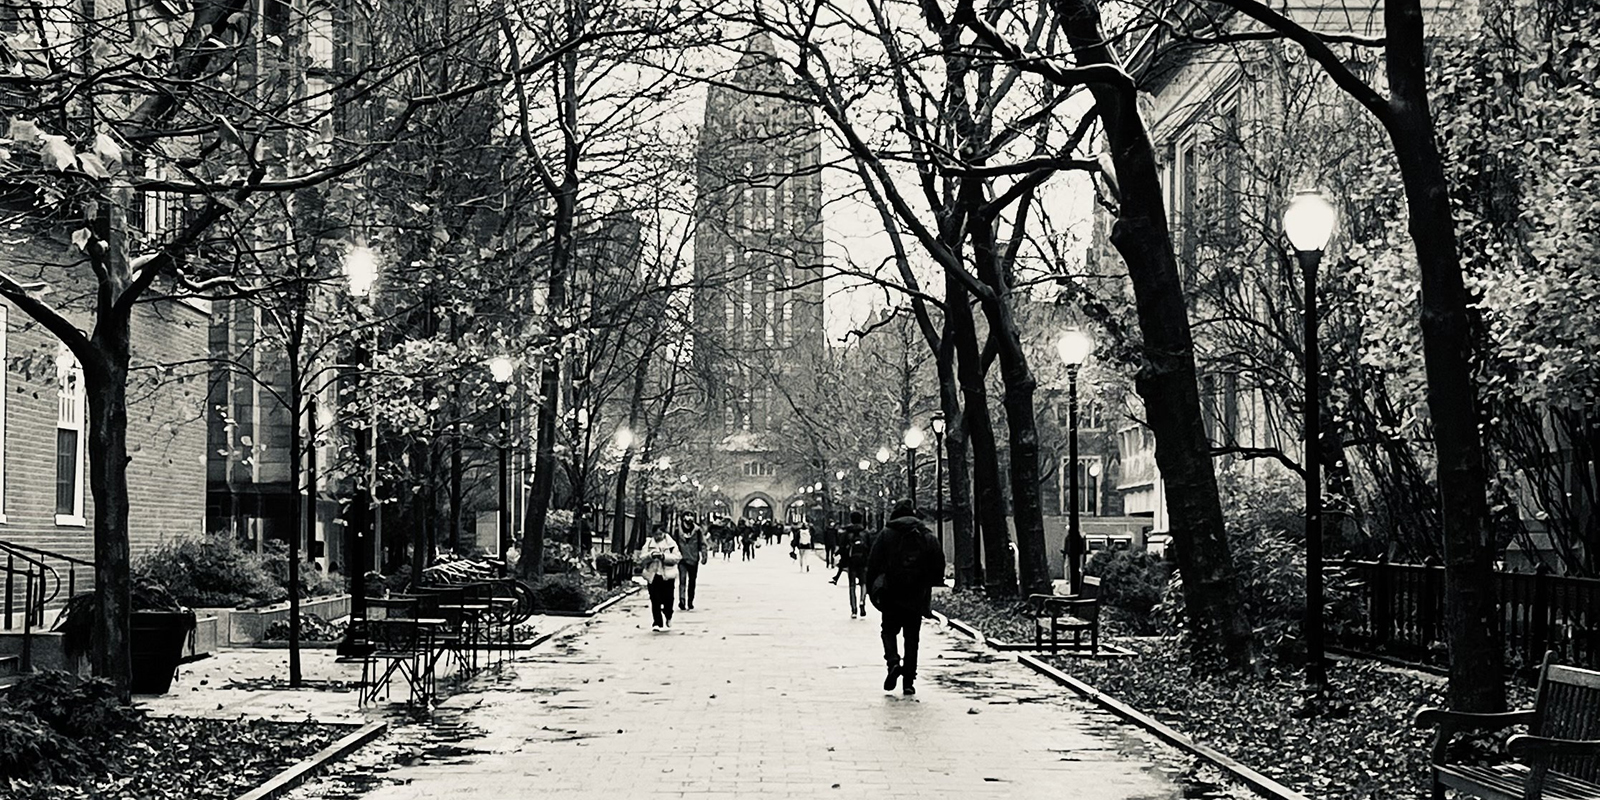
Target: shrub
(74, 707)
(560, 594)
(561, 558)
(76, 622)
(1266, 532)
(313, 628)
(209, 572)
(1131, 582)
(313, 581)
(32, 751)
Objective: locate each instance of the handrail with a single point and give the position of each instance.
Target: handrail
(46, 553)
(29, 608)
(37, 601)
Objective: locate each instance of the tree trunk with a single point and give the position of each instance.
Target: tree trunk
(1166, 380)
(105, 388)
(956, 471)
(296, 474)
(1000, 573)
(1471, 614)
(1026, 509)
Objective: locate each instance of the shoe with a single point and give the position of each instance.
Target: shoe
(656, 628)
(852, 615)
(691, 606)
(680, 605)
(889, 680)
(668, 626)
(908, 689)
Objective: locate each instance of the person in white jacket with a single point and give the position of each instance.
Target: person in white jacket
(659, 558)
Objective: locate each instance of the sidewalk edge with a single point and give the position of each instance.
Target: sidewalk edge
(1257, 782)
(288, 779)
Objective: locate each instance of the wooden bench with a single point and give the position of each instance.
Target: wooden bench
(1559, 757)
(1076, 615)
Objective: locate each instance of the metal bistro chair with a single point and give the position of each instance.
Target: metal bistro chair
(399, 648)
(453, 635)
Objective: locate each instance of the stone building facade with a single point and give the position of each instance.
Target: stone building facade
(759, 302)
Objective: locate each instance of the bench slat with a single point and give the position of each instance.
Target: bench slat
(1504, 782)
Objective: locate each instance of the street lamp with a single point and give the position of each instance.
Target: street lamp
(913, 440)
(361, 272)
(1308, 222)
(500, 369)
(1075, 347)
(938, 472)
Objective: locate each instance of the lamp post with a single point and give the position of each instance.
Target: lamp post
(913, 440)
(1308, 222)
(883, 490)
(865, 494)
(938, 473)
(1075, 346)
(500, 368)
(361, 272)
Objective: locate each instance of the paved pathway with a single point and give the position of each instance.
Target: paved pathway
(769, 689)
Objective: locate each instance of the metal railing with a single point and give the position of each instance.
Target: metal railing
(1403, 613)
(45, 575)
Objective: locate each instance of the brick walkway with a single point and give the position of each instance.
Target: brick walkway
(768, 690)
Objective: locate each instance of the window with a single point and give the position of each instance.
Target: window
(1090, 473)
(319, 36)
(69, 439)
(758, 469)
(275, 16)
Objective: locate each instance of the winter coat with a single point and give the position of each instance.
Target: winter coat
(660, 558)
(905, 564)
(692, 544)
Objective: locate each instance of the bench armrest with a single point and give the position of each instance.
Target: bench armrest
(1468, 720)
(1526, 748)
(1450, 722)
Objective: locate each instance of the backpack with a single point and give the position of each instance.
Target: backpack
(859, 551)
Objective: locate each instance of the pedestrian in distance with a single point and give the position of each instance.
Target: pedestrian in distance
(693, 552)
(802, 545)
(854, 549)
(747, 541)
(904, 565)
(659, 558)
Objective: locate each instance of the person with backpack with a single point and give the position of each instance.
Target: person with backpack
(904, 565)
(854, 549)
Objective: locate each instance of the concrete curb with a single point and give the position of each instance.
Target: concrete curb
(1257, 782)
(593, 611)
(281, 783)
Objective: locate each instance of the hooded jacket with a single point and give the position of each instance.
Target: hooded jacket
(905, 564)
(659, 558)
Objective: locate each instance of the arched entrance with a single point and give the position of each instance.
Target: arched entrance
(757, 509)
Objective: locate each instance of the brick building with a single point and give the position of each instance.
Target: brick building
(45, 500)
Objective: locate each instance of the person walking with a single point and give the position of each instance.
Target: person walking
(660, 557)
(693, 551)
(854, 549)
(903, 566)
(802, 544)
(747, 542)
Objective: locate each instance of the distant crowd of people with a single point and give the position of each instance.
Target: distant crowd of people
(895, 569)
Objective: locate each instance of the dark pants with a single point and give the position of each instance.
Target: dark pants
(661, 601)
(858, 589)
(909, 623)
(688, 572)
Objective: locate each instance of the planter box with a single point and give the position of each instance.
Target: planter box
(245, 627)
(157, 640)
(204, 642)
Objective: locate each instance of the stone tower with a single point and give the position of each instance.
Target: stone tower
(758, 266)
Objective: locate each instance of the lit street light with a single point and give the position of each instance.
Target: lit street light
(361, 272)
(1075, 347)
(913, 440)
(1308, 222)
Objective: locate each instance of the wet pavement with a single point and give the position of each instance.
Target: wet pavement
(768, 689)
